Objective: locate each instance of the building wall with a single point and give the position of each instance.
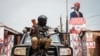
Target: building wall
(91, 43)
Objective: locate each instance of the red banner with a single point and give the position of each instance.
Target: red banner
(77, 21)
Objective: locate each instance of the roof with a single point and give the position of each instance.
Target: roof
(93, 31)
(1, 24)
(9, 29)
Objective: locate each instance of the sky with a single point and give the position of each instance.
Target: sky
(18, 14)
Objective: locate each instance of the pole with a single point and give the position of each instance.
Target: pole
(61, 29)
(67, 33)
(61, 24)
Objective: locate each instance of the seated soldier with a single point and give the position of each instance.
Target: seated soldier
(39, 35)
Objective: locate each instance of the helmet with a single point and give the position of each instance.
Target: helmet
(42, 19)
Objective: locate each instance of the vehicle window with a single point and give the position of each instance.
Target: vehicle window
(27, 39)
(55, 39)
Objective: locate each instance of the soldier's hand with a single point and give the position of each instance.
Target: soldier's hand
(48, 36)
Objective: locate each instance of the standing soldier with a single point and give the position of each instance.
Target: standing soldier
(39, 36)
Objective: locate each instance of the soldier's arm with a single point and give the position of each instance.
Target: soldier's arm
(32, 31)
(36, 30)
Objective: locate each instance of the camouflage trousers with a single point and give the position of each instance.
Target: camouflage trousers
(42, 41)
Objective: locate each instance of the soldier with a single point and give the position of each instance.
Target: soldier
(39, 35)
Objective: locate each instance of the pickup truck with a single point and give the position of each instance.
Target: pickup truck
(56, 48)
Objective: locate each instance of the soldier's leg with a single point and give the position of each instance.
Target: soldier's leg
(34, 41)
(47, 42)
